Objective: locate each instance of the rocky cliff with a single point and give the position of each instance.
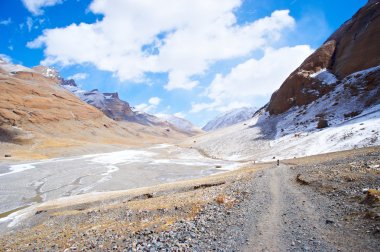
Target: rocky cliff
(352, 48)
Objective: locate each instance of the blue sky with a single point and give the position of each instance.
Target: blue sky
(197, 58)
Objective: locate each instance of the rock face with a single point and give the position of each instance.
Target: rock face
(230, 118)
(352, 48)
(116, 108)
(109, 103)
(112, 106)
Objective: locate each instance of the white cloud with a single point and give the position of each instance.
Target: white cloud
(154, 101)
(253, 78)
(136, 37)
(29, 23)
(36, 6)
(78, 76)
(150, 106)
(6, 21)
(180, 115)
(5, 58)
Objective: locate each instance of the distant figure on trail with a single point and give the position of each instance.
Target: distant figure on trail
(278, 162)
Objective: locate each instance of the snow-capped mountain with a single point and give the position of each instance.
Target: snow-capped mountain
(112, 105)
(345, 118)
(331, 102)
(48, 72)
(230, 118)
(109, 103)
(180, 123)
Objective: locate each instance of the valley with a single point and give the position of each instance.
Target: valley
(308, 204)
(98, 153)
(25, 184)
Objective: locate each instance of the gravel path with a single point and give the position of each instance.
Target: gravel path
(282, 218)
(310, 204)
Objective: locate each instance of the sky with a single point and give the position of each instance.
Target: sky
(192, 58)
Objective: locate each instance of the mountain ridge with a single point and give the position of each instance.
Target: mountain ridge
(352, 48)
(316, 110)
(230, 118)
(40, 119)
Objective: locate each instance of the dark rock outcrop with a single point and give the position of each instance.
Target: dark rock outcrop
(353, 47)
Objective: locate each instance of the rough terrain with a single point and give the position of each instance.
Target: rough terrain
(23, 184)
(309, 204)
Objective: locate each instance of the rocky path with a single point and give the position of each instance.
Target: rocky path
(282, 216)
(313, 204)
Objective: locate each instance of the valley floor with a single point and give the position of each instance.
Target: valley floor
(308, 204)
(24, 184)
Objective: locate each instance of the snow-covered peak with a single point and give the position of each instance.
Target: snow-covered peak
(180, 123)
(229, 118)
(48, 72)
(93, 97)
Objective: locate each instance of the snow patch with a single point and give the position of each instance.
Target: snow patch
(126, 156)
(18, 168)
(325, 77)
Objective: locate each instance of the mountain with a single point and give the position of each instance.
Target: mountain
(230, 118)
(109, 103)
(40, 119)
(352, 48)
(180, 123)
(331, 102)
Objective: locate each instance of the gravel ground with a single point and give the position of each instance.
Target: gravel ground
(312, 204)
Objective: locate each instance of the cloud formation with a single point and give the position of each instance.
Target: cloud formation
(78, 76)
(139, 37)
(5, 58)
(36, 6)
(150, 106)
(6, 22)
(253, 78)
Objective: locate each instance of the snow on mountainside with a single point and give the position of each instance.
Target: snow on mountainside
(111, 105)
(331, 102)
(180, 123)
(118, 109)
(350, 114)
(93, 97)
(352, 48)
(48, 72)
(229, 118)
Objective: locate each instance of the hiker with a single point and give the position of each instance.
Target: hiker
(278, 162)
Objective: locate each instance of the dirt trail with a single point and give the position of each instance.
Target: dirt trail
(282, 216)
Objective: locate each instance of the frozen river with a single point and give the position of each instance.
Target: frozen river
(25, 184)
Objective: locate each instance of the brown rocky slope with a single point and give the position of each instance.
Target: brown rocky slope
(39, 119)
(353, 47)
